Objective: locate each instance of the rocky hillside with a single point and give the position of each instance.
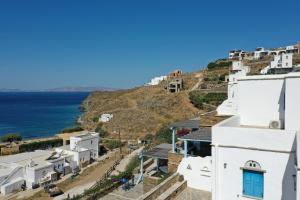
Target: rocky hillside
(140, 110)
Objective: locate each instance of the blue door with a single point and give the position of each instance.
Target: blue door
(253, 183)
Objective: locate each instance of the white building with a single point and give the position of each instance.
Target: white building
(229, 106)
(82, 148)
(260, 52)
(106, 117)
(156, 80)
(26, 170)
(284, 60)
(255, 153)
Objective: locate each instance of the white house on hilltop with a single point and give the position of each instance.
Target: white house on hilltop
(156, 80)
(284, 60)
(256, 152)
(106, 117)
(229, 106)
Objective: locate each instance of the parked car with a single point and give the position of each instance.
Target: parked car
(48, 187)
(53, 192)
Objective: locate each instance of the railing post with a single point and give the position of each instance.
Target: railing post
(173, 139)
(185, 148)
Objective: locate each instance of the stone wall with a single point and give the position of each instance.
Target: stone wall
(150, 182)
(174, 160)
(160, 189)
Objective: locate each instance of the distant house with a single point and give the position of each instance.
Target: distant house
(156, 80)
(176, 73)
(281, 61)
(106, 117)
(260, 52)
(175, 85)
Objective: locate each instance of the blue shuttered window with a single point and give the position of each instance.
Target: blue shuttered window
(253, 184)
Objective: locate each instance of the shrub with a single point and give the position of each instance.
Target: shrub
(218, 64)
(95, 119)
(113, 144)
(102, 132)
(11, 137)
(149, 137)
(197, 98)
(72, 129)
(164, 135)
(41, 145)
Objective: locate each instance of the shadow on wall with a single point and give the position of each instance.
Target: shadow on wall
(281, 103)
(289, 184)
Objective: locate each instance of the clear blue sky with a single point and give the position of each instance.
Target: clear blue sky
(54, 43)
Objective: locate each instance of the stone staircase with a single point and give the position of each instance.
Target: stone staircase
(173, 191)
(168, 189)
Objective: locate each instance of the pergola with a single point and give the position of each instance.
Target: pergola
(200, 135)
(193, 124)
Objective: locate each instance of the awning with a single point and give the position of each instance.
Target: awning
(192, 124)
(160, 151)
(202, 135)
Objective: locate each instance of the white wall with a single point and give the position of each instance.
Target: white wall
(34, 175)
(261, 101)
(292, 107)
(234, 146)
(199, 174)
(278, 179)
(90, 142)
(58, 164)
(10, 187)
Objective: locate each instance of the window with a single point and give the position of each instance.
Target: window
(253, 182)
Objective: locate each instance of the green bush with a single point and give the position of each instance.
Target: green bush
(218, 64)
(102, 132)
(198, 99)
(40, 145)
(113, 144)
(11, 137)
(149, 137)
(72, 129)
(164, 135)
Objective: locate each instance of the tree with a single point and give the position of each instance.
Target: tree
(11, 137)
(149, 137)
(102, 131)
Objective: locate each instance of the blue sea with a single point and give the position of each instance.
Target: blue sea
(38, 114)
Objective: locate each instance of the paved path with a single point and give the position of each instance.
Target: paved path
(125, 161)
(193, 194)
(79, 189)
(119, 194)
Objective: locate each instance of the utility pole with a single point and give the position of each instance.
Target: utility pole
(120, 142)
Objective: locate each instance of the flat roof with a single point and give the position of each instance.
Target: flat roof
(203, 134)
(159, 151)
(269, 77)
(192, 123)
(39, 157)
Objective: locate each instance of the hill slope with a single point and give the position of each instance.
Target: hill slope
(140, 110)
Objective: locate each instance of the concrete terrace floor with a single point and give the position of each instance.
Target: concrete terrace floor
(193, 194)
(120, 194)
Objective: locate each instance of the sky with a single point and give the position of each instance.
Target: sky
(122, 44)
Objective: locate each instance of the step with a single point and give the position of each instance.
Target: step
(173, 191)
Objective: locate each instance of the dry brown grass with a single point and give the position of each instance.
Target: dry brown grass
(140, 110)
